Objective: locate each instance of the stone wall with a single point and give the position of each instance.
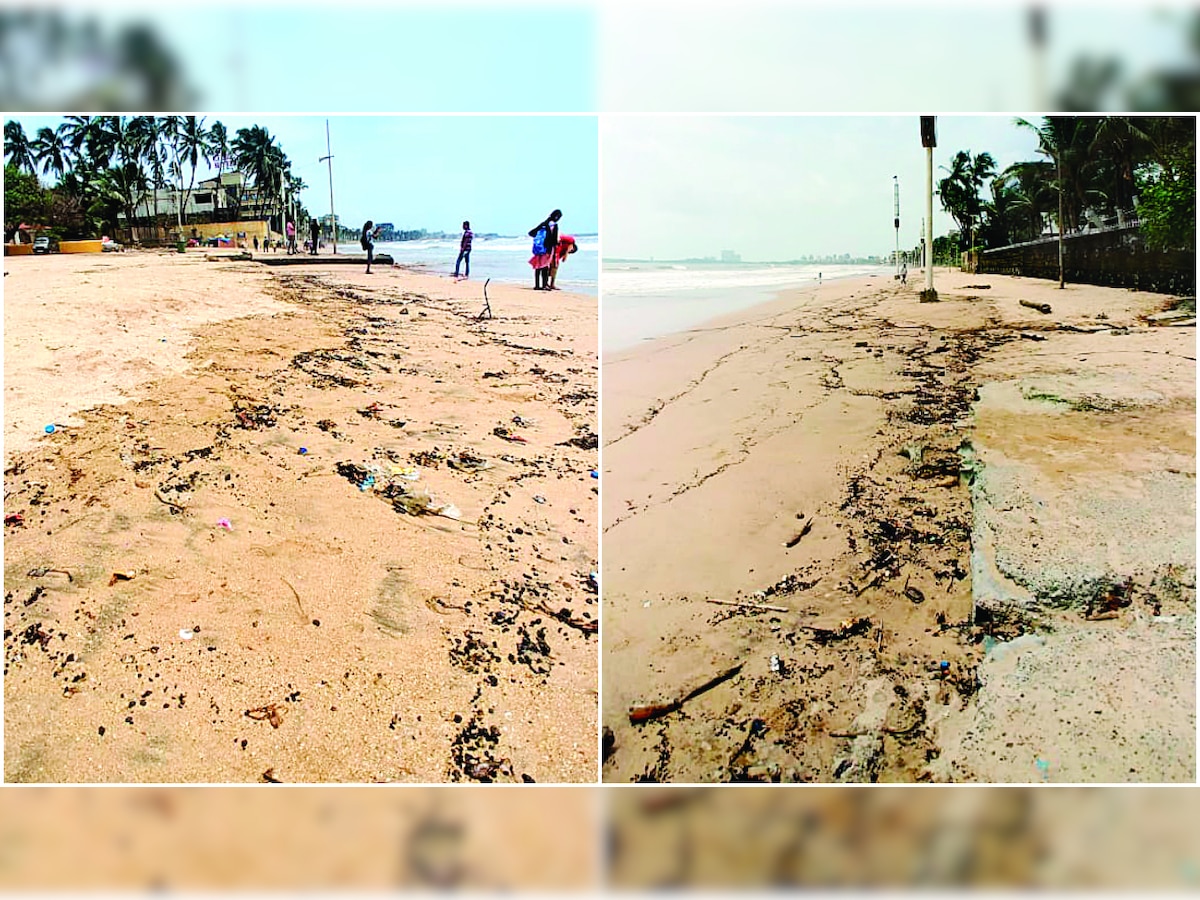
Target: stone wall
(1116, 258)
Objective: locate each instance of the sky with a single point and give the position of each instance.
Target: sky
(780, 187)
(503, 173)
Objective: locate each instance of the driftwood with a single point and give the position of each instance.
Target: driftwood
(781, 609)
(1040, 307)
(803, 531)
(849, 628)
(645, 713)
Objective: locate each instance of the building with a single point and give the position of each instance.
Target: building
(728, 256)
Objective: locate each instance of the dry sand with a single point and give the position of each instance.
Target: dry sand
(806, 455)
(323, 635)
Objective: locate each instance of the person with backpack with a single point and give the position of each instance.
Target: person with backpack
(464, 250)
(368, 242)
(545, 242)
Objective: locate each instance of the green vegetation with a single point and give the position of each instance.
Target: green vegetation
(105, 167)
(1103, 169)
(1083, 403)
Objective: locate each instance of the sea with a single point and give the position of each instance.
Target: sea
(504, 259)
(644, 300)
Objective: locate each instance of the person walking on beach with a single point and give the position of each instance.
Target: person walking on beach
(545, 240)
(464, 250)
(565, 247)
(368, 242)
(256, 243)
(291, 237)
(904, 273)
(314, 228)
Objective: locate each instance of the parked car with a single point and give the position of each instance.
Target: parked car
(45, 244)
(110, 246)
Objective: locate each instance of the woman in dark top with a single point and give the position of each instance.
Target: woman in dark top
(545, 241)
(368, 242)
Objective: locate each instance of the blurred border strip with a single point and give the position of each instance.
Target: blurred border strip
(298, 56)
(754, 838)
(325, 839)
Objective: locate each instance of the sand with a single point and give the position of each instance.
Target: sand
(192, 599)
(809, 454)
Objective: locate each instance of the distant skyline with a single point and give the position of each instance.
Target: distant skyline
(503, 173)
(776, 188)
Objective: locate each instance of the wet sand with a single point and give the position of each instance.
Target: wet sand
(818, 454)
(191, 598)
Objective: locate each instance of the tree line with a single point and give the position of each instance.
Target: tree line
(104, 166)
(1106, 169)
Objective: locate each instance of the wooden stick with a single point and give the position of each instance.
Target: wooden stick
(1040, 307)
(638, 714)
(781, 609)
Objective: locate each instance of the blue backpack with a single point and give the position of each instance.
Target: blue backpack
(539, 241)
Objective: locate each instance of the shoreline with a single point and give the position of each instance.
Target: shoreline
(276, 615)
(808, 453)
(766, 295)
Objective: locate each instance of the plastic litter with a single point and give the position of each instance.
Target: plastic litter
(775, 664)
(186, 633)
(408, 473)
(594, 473)
(49, 429)
(450, 511)
(538, 498)
(944, 665)
(368, 482)
(225, 523)
(302, 451)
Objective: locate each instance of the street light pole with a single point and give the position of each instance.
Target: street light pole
(896, 191)
(329, 159)
(928, 141)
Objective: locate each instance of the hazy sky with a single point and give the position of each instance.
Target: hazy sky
(779, 187)
(504, 173)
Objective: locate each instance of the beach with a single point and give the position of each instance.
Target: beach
(952, 541)
(296, 524)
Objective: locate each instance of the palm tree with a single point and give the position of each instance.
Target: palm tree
(960, 188)
(1034, 195)
(190, 142)
(1060, 139)
(51, 150)
(1069, 142)
(219, 153)
(259, 157)
(18, 151)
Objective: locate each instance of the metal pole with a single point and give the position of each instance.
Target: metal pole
(929, 222)
(896, 189)
(1058, 166)
(329, 158)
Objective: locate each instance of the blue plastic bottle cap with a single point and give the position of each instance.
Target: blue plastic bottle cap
(303, 450)
(945, 664)
(49, 429)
